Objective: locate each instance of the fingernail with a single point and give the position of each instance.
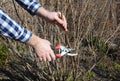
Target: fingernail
(66, 29)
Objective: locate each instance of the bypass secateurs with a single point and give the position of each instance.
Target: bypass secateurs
(61, 50)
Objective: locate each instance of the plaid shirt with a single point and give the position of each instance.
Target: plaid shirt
(11, 29)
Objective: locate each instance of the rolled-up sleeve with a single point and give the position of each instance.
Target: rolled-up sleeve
(11, 29)
(30, 5)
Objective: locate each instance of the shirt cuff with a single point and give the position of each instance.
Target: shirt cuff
(34, 8)
(30, 5)
(10, 28)
(24, 36)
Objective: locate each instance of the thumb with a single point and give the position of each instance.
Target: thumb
(59, 18)
(59, 15)
(63, 19)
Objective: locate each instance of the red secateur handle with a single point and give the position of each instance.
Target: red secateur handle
(57, 47)
(58, 55)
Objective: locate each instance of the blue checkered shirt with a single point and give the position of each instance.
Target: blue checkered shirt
(10, 28)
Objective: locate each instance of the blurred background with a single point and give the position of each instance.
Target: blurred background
(93, 30)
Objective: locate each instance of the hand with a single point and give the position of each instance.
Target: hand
(57, 18)
(42, 48)
(54, 17)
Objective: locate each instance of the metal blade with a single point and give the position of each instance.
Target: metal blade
(72, 54)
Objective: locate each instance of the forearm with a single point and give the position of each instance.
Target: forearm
(11, 29)
(31, 6)
(42, 12)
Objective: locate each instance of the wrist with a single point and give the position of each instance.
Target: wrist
(42, 12)
(33, 41)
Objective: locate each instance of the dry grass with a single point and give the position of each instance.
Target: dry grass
(93, 25)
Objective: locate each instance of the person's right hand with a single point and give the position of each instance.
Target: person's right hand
(44, 51)
(42, 48)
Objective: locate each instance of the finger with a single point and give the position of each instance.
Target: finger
(59, 18)
(65, 23)
(61, 26)
(59, 15)
(48, 58)
(40, 58)
(44, 58)
(53, 57)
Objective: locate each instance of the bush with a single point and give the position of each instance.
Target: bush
(4, 55)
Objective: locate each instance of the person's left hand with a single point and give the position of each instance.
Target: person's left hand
(53, 17)
(57, 18)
